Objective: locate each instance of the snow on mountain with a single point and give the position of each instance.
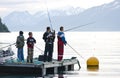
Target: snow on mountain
(24, 21)
(106, 18)
(17, 20)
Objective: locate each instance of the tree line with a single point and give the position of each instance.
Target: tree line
(3, 27)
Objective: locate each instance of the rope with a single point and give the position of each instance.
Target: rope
(79, 65)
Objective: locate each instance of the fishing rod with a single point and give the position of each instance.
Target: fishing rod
(49, 16)
(7, 45)
(4, 43)
(49, 19)
(79, 26)
(75, 51)
(39, 49)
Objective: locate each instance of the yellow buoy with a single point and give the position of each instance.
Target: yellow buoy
(92, 63)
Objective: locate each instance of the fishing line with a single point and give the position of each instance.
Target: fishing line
(4, 43)
(75, 51)
(39, 49)
(79, 26)
(7, 45)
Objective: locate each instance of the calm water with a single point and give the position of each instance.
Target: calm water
(103, 45)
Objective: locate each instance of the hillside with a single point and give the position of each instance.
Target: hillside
(3, 27)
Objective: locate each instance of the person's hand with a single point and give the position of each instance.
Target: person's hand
(65, 43)
(49, 35)
(53, 32)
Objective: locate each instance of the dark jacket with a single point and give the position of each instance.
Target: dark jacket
(30, 42)
(49, 37)
(20, 41)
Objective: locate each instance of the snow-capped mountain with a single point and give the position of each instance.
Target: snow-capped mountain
(106, 18)
(25, 21)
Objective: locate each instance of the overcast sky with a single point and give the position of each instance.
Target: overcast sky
(33, 6)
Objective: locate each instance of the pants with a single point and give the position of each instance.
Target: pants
(48, 53)
(60, 50)
(30, 55)
(20, 54)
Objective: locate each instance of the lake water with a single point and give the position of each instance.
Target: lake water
(103, 45)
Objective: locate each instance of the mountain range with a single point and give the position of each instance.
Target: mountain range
(105, 17)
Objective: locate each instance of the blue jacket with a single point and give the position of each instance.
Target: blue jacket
(61, 35)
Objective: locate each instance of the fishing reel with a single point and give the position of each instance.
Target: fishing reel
(51, 34)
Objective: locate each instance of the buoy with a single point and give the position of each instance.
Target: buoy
(92, 64)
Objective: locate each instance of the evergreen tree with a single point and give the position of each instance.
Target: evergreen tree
(3, 27)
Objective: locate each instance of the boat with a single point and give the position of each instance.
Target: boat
(12, 66)
(5, 54)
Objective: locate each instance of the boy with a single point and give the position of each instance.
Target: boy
(61, 42)
(30, 44)
(20, 45)
(48, 37)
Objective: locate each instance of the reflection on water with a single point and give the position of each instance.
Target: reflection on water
(60, 76)
(103, 45)
(95, 69)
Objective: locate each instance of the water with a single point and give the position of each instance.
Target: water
(103, 45)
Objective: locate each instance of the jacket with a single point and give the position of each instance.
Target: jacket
(20, 41)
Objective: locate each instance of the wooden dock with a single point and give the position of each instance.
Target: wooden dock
(39, 67)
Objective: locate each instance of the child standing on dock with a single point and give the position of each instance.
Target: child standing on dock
(30, 44)
(20, 44)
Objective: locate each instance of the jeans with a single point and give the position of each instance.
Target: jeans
(20, 54)
(30, 55)
(48, 53)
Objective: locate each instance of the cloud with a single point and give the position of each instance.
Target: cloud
(54, 2)
(7, 6)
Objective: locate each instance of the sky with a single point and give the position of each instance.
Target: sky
(33, 6)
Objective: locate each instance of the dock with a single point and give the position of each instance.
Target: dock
(39, 67)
